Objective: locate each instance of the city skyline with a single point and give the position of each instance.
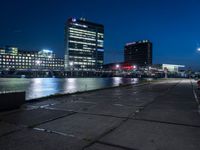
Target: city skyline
(172, 26)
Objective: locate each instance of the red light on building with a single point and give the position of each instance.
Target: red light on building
(127, 67)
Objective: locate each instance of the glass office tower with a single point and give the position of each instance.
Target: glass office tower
(84, 45)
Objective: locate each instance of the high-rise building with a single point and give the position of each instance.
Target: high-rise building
(84, 45)
(138, 53)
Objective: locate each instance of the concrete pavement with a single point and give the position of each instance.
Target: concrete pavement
(159, 116)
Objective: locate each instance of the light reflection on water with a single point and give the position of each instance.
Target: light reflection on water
(40, 87)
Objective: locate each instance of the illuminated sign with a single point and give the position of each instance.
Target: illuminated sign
(130, 43)
(80, 25)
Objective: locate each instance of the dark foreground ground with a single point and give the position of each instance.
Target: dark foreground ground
(158, 116)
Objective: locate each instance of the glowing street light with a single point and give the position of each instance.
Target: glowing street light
(71, 63)
(117, 69)
(198, 49)
(117, 66)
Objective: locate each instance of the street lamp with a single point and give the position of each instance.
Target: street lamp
(134, 67)
(117, 68)
(71, 66)
(37, 62)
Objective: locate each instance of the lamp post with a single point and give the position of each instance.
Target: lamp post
(117, 68)
(134, 70)
(38, 63)
(71, 67)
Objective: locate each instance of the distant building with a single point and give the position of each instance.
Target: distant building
(46, 53)
(12, 58)
(11, 50)
(138, 53)
(84, 45)
(2, 50)
(172, 67)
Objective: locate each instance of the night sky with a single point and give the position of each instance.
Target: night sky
(172, 25)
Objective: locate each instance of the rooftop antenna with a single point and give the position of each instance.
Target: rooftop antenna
(82, 18)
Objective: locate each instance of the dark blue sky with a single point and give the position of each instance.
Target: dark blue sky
(172, 25)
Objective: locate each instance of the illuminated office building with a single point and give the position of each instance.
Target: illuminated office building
(45, 60)
(11, 50)
(84, 45)
(138, 53)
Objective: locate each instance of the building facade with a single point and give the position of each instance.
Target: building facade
(84, 45)
(45, 60)
(138, 53)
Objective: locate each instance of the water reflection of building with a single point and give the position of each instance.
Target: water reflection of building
(13, 58)
(84, 45)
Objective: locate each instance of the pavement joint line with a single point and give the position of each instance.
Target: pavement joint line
(54, 132)
(194, 93)
(128, 116)
(66, 115)
(195, 96)
(117, 146)
(32, 126)
(160, 95)
(165, 122)
(105, 133)
(95, 114)
(7, 133)
(124, 120)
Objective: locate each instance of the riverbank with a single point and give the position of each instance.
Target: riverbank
(160, 115)
(42, 87)
(141, 83)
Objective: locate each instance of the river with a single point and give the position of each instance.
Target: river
(41, 87)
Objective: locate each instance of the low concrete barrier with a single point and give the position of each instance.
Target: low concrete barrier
(9, 101)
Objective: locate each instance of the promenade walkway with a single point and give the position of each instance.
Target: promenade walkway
(161, 115)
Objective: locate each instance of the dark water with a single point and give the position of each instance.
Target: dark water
(40, 87)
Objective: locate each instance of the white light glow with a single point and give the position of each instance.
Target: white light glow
(38, 62)
(134, 66)
(47, 51)
(117, 66)
(71, 63)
